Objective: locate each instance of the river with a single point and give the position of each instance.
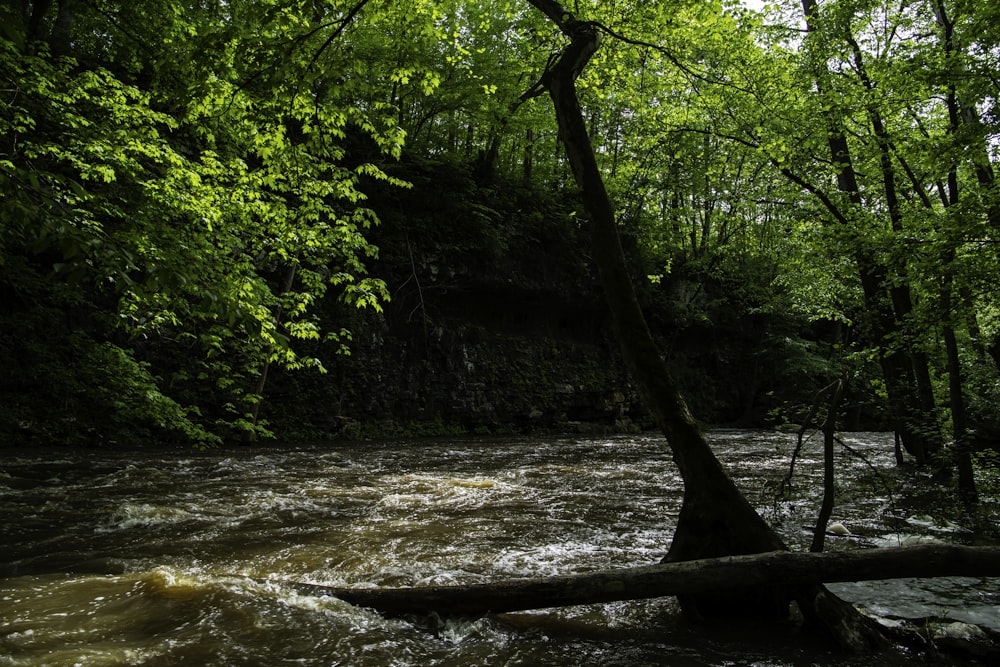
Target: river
(164, 557)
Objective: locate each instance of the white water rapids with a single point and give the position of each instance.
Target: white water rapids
(155, 557)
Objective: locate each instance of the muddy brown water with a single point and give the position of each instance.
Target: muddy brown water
(165, 557)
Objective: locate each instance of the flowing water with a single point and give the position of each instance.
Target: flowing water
(156, 557)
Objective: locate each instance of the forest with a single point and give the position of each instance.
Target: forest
(231, 221)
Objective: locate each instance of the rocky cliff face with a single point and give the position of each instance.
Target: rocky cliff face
(496, 323)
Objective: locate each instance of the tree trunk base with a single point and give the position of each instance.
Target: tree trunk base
(717, 526)
(840, 620)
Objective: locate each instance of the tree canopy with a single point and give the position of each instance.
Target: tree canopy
(185, 187)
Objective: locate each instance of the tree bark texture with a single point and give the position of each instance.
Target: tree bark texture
(733, 573)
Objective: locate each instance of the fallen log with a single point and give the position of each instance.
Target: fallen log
(733, 573)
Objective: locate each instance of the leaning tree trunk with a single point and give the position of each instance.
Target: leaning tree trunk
(715, 519)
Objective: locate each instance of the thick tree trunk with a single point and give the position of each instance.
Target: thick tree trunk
(779, 568)
(715, 519)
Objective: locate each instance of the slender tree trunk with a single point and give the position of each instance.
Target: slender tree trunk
(470, 139)
(34, 13)
(976, 145)
(829, 488)
(60, 39)
(529, 157)
(251, 435)
(960, 424)
(715, 519)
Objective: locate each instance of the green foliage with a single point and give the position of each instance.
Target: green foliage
(987, 470)
(133, 394)
(186, 183)
(204, 217)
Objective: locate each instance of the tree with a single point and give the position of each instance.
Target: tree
(909, 136)
(715, 519)
(887, 297)
(179, 175)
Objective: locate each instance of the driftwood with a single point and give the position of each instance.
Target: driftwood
(733, 573)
